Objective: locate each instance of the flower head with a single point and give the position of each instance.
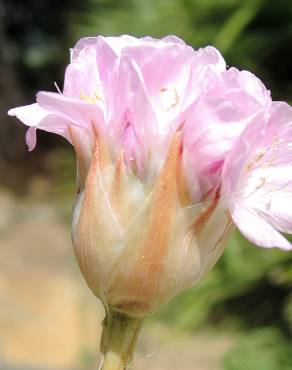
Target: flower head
(173, 149)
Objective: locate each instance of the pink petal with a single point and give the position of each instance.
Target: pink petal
(77, 111)
(31, 138)
(172, 39)
(256, 229)
(82, 75)
(30, 115)
(247, 90)
(37, 117)
(80, 46)
(257, 177)
(209, 56)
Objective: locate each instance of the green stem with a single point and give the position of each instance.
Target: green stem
(118, 340)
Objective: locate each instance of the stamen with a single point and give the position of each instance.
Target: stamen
(261, 183)
(170, 97)
(57, 88)
(90, 99)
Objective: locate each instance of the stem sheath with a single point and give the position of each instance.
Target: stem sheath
(118, 340)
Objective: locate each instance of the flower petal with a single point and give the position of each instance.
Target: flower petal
(30, 115)
(78, 112)
(31, 138)
(256, 229)
(82, 75)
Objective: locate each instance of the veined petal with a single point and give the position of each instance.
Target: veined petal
(257, 179)
(78, 112)
(172, 39)
(82, 78)
(257, 229)
(39, 118)
(80, 46)
(31, 138)
(134, 130)
(30, 115)
(246, 90)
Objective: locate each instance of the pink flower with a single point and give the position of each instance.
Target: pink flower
(173, 150)
(136, 95)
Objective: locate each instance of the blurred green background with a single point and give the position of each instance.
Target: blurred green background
(247, 298)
